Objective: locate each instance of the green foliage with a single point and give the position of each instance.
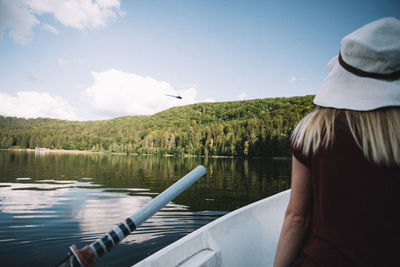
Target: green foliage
(259, 127)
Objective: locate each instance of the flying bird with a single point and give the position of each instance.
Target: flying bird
(176, 96)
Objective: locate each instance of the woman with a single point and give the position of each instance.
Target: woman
(344, 204)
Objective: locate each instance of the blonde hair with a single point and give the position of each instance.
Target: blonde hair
(377, 132)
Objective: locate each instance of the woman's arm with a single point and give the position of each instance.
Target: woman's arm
(297, 216)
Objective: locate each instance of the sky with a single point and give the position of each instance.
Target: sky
(102, 59)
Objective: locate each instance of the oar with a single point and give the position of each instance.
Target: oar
(89, 254)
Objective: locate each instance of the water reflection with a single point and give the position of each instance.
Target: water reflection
(50, 201)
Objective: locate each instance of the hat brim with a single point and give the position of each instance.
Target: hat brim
(344, 90)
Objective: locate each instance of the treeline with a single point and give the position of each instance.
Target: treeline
(258, 127)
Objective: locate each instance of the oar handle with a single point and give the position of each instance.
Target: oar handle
(88, 255)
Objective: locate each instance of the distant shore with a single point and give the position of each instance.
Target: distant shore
(64, 151)
(75, 151)
(48, 150)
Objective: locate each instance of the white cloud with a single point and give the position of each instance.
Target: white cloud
(20, 16)
(50, 28)
(63, 62)
(113, 93)
(79, 14)
(15, 16)
(118, 93)
(242, 96)
(209, 100)
(296, 79)
(34, 105)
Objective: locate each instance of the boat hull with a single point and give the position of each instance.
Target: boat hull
(245, 237)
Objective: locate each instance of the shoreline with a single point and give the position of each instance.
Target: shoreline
(48, 150)
(75, 151)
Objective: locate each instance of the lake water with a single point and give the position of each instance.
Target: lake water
(49, 201)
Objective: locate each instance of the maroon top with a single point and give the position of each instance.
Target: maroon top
(356, 206)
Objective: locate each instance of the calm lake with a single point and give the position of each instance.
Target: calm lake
(49, 201)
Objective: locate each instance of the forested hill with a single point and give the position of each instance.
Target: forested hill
(258, 127)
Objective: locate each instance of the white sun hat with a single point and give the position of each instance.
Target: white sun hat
(366, 74)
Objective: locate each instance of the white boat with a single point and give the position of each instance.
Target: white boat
(245, 237)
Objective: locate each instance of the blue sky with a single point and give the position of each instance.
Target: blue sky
(89, 60)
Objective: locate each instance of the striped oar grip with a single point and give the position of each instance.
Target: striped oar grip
(112, 238)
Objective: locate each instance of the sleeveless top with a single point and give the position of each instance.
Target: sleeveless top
(356, 206)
